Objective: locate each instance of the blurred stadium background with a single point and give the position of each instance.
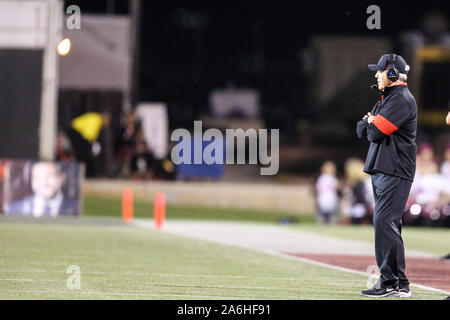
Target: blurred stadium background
(102, 100)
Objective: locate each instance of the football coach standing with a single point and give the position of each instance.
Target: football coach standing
(390, 127)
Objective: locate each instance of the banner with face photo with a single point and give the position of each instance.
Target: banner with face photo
(2, 180)
(41, 188)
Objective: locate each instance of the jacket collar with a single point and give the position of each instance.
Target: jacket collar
(392, 89)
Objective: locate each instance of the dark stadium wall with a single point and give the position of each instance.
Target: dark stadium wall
(20, 102)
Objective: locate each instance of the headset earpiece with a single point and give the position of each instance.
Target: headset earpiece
(392, 72)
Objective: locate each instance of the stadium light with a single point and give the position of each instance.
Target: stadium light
(446, 211)
(64, 47)
(435, 214)
(415, 209)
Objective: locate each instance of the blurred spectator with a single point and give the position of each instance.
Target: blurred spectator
(427, 182)
(425, 157)
(434, 27)
(357, 207)
(165, 170)
(141, 162)
(327, 195)
(430, 190)
(63, 147)
(445, 166)
(126, 140)
(445, 176)
(83, 134)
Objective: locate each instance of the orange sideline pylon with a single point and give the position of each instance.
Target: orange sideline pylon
(127, 205)
(159, 211)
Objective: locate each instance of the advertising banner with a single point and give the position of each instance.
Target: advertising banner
(40, 188)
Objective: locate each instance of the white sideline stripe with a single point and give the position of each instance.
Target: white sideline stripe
(30, 280)
(330, 266)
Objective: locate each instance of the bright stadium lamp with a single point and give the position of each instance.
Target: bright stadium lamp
(64, 47)
(435, 214)
(416, 209)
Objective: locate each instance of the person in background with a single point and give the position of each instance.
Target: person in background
(427, 183)
(64, 150)
(327, 194)
(83, 133)
(444, 200)
(357, 207)
(445, 171)
(127, 137)
(445, 165)
(142, 161)
(425, 157)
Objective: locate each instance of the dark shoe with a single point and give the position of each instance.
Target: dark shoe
(403, 291)
(447, 257)
(380, 293)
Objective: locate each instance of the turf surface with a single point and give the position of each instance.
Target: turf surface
(431, 240)
(111, 207)
(124, 262)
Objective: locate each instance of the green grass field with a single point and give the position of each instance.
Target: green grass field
(119, 261)
(431, 240)
(111, 207)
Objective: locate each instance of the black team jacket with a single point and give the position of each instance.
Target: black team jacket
(392, 134)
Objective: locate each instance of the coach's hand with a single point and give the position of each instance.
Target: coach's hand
(367, 115)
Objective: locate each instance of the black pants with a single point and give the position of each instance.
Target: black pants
(391, 194)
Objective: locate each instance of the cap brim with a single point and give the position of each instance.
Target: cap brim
(374, 67)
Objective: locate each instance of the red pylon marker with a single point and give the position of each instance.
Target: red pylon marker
(127, 205)
(159, 210)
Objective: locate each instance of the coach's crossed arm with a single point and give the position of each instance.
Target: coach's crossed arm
(387, 121)
(361, 126)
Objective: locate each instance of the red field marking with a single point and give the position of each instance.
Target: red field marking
(430, 272)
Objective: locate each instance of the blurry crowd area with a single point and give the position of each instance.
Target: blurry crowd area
(131, 158)
(350, 199)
